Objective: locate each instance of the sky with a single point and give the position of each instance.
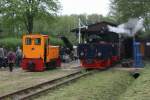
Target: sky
(84, 6)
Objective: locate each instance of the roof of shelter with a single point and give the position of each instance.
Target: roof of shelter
(97, 28)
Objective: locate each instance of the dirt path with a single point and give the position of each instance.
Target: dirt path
(19, 79)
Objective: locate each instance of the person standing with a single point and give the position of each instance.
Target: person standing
(5, 64)
(1, 56)
(18, 56)
(11, 59)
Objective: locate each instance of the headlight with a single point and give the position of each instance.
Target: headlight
(82, 53)
(99, 54)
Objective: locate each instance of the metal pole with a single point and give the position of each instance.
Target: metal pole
(134, 51)
(119, 51)
(79, 31)
(79, 37)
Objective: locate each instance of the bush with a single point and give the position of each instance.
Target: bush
(10, 42)
(56, 41)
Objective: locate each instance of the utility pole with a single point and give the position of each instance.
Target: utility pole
(79, 35)
(81, 25)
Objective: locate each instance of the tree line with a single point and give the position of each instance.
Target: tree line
(42, 16)
(122, 10)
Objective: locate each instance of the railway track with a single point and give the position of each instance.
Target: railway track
(34, 91)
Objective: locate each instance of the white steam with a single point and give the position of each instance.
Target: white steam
(129, 28)
(138, 26)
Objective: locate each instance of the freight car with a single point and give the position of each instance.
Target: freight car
(38, 54)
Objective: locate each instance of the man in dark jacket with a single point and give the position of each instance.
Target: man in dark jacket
(11, 56)
(1, 56)
(18, 56)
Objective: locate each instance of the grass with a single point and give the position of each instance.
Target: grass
(140, 89)
(106, 85)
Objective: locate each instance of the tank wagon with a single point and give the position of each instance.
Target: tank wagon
(38, 54)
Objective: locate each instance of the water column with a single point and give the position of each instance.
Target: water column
(137, 54)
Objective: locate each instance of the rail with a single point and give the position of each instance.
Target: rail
(34, 91)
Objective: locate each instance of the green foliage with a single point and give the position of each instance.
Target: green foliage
(122, 10)
(10, 42)
(56, 41)
(125, 9)
(25, 12)
(17, 15)
(64, 24)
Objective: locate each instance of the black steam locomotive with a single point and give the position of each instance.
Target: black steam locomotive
(100, 47)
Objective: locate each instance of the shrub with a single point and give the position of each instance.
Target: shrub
(10, 42)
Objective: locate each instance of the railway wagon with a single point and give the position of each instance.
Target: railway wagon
(38, 54)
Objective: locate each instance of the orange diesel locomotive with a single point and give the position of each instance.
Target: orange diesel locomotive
(39, 55)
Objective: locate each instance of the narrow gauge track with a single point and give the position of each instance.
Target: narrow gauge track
(29, 93)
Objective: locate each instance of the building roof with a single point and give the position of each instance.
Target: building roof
(97, 28)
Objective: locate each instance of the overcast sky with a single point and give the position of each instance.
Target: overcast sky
(85, 6)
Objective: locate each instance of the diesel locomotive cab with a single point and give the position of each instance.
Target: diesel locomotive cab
(37, 52)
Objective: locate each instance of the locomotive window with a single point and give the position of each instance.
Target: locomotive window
(37, 41)
(28, 41)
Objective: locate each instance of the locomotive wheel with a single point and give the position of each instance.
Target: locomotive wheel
(51, 65)
(31, 66)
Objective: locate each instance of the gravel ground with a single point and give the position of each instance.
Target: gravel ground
(19, 79)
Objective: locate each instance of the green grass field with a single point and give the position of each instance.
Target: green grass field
(140, 89)
(106, 85)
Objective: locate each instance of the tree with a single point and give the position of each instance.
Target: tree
(125, 9)
(28, 10)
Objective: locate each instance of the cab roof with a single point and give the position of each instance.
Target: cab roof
(35, 35)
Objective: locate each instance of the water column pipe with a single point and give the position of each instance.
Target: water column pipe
(137, 54)
(119, 47)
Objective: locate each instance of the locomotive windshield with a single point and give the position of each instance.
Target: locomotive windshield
(28, 41)
(94, 38)
(37, 41)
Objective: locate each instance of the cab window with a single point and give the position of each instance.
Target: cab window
(28, 41)
(37, 41)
